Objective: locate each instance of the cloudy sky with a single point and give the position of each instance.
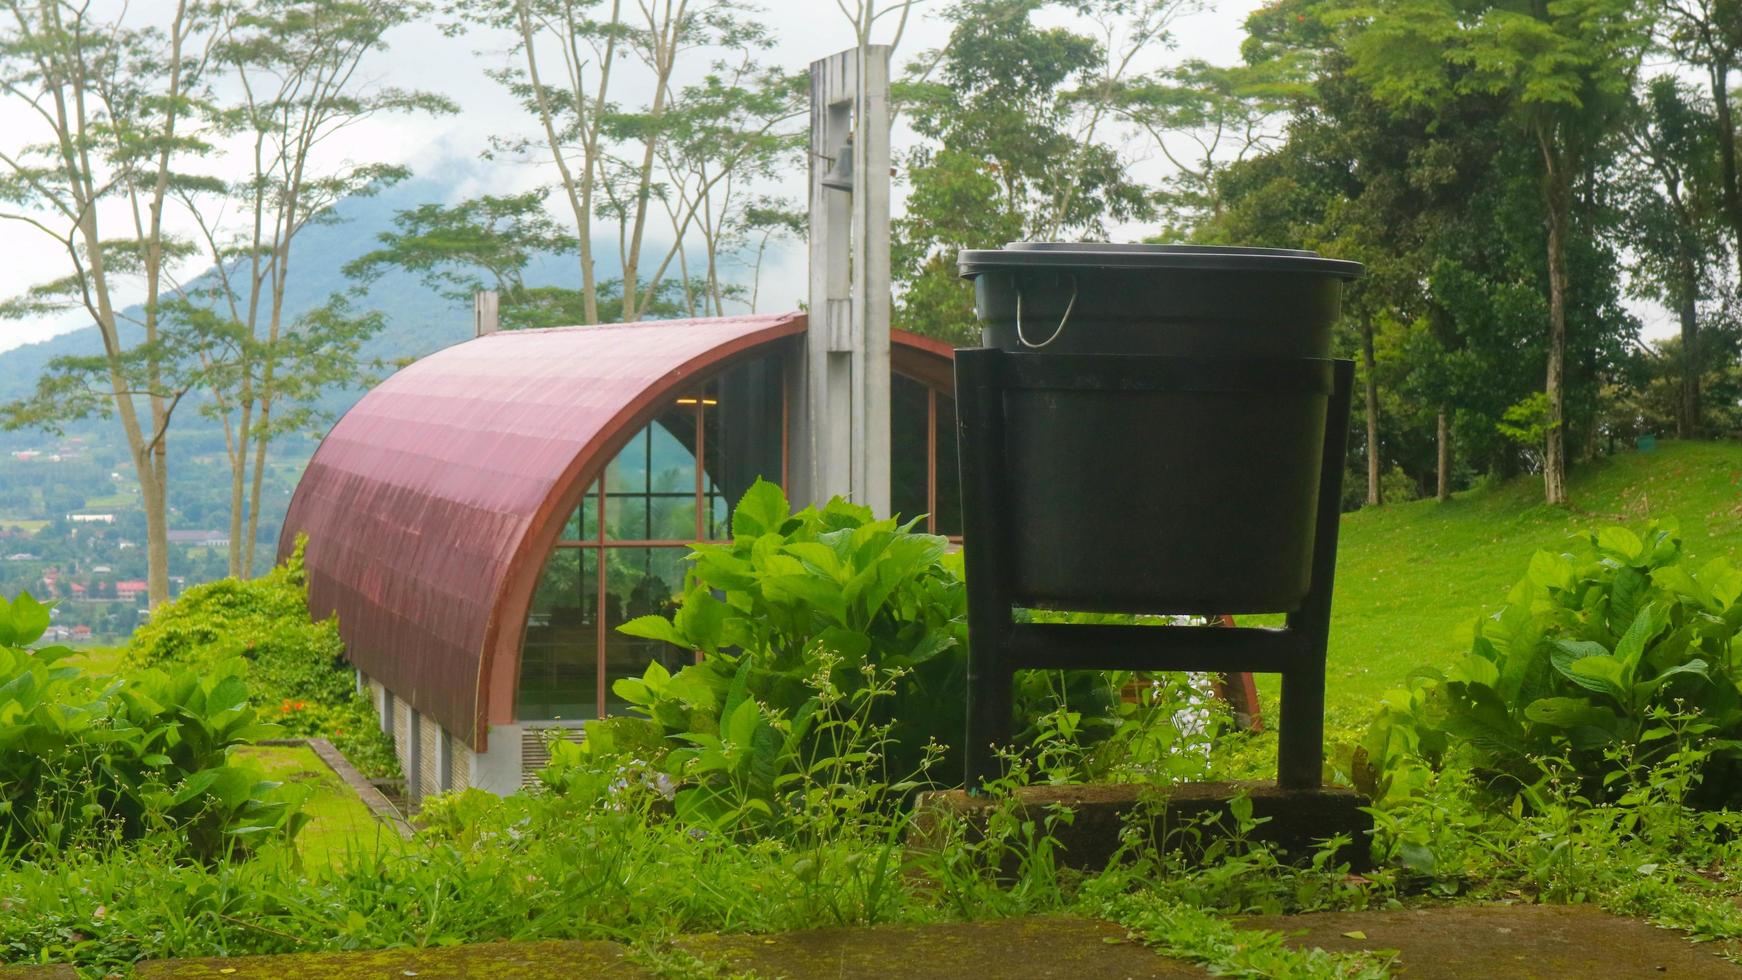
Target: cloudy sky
(447, 148)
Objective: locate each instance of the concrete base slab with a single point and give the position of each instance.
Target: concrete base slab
(1048, 948)
(1294, 820)
(1526, 942)
(483, 961)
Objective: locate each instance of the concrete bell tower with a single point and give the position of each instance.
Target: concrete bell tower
(840, 429)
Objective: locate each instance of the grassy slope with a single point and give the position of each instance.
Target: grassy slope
(339, 822)
(1412, 577)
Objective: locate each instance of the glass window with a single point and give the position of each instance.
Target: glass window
(949, 485)
(650, 486)
(909, 443)
(583, 523)
(640, 582)
(744, 430)
(559, 674)
(652, 499)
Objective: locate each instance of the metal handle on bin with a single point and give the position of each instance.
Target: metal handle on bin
(1070, 305)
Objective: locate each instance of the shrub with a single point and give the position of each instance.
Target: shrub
(295, 667)
(834, 652)
(87, 759)
(1606, 660)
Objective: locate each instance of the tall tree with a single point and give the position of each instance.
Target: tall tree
(104, 147)
(1005, 154)
(1675, 220)
(1564, 71)
(613, 159)
(1707, 36)
(1203, 118)
(293, 79)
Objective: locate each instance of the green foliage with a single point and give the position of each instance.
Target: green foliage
(90, 760)
(295, 667)
(1600, 655)
(833, 646)
(1007, 153)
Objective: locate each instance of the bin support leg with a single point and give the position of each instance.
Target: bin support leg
(980, 441)
(1301, 730)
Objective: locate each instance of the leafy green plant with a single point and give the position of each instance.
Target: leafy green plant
(90, 760)
(294, 666)
(1595, 654)
(833, 651)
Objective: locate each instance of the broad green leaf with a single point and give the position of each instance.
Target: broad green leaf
(1626, 594)
(1678, 580)
(1551, 571)
(1601, 674)
(8, 632)
(29, 619)
(762, 510)
(1722, 580)
(1473, 669)
(1570, 713)
(1650, 621)
(655, 628)
(1621, 542)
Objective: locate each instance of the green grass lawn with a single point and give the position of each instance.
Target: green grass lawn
(339, 822)
(98, 659)
(26, 524)
(1412, 577)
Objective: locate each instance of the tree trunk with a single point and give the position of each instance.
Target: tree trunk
(1443, 437)
(238, 456)
(151, 492)
(1554, 457)
(1687, 422)
(1371, 383)
(1719, 73)
(663, 41)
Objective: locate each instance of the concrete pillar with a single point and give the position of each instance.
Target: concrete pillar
(444, 761)
(486, 312)
(414, 757)
(384, 709)
(840, 434)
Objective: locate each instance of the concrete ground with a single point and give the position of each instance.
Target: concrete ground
(1529, 942)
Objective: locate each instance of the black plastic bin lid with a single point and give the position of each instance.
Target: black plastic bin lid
(1107, 255)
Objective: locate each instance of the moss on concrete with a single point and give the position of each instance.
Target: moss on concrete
(57, 972)
(484, 961)
(1526, 942)
(1039, 948)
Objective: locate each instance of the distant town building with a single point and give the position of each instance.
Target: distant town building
(200, 539)
(91, 518)
(26, 455)
(81, 633)
(130, 589)
(21, 556)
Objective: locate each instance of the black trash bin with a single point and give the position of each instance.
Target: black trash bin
(1185, 480)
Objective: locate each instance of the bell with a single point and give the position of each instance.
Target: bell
(840, 175)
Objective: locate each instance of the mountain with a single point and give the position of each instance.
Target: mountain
(418, 322)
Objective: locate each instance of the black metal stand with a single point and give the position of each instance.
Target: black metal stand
(999, 646)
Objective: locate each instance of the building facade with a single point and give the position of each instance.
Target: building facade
(483, 521)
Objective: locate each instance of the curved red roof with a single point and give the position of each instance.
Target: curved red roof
(424, 498)
(431, 505)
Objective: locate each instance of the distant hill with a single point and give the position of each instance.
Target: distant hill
(418, 322)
